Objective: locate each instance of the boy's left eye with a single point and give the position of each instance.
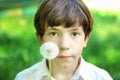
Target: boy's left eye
(75, 34)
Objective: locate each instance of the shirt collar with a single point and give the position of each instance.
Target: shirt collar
(83, 70)
(45, 68)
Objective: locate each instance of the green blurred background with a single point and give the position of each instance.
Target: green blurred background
(19, 47)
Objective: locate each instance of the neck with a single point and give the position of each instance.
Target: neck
(63, 71)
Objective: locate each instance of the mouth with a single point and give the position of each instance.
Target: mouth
(64, 57)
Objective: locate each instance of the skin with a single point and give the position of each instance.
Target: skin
(71, 42)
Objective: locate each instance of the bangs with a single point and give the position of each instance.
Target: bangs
(67, 15)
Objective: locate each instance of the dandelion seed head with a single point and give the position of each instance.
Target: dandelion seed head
(49, 50)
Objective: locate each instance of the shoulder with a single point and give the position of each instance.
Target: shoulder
(99, 73)
(31, 73)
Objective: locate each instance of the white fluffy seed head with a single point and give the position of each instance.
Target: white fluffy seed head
(49, 50)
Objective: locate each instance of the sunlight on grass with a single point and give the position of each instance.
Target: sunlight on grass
(102, 33)
(106, 30)
(14, 12)
(14, 28)
(104, 5)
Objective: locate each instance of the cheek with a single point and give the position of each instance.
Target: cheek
(78, 47)
(79, 43)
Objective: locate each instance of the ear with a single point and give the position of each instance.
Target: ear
(39, 37)
(86, 40)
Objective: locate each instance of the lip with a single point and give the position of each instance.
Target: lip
(63, 57)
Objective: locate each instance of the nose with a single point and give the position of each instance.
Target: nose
(64, 43)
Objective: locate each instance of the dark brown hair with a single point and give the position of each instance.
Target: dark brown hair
(63, 12)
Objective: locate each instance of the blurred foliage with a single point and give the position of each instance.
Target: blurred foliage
(17, 3)
(19, 47)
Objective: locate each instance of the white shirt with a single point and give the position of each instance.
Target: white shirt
(85, 71)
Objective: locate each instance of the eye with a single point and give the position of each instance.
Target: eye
(75, 34)
(53, 34)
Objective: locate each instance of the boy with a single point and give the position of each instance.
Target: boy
(68, 24)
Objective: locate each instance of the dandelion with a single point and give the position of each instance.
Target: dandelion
(49, 50)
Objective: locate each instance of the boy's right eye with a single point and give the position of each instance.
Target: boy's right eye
(53, 34)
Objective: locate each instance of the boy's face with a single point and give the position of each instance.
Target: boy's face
(70, 41)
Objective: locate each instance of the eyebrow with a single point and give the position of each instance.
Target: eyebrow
(69, 29)
(75, 29)
(53, 28)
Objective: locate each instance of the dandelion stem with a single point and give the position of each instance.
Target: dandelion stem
(49, 63)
